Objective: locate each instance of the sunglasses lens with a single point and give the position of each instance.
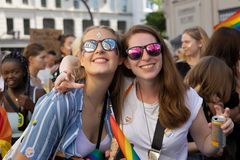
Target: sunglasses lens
(109, 44)
(90, 46)
(153, 49)
(135, 53)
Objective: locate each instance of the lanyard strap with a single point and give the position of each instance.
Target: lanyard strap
(158, 136)
(10, 101)
(102, 121)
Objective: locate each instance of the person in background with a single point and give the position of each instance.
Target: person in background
(66, 44)
(45, 75)
(19, 96)
(194, 42)
(224, 44)
(65, 49)
(212, 79)
(36, 56)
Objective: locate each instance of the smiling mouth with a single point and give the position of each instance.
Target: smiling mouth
(147, 66)
(100, 60)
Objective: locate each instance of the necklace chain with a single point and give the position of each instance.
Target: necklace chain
(138, 86)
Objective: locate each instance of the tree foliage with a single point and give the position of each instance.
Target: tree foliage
(157, 20)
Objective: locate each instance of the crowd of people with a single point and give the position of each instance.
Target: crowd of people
(133, 77)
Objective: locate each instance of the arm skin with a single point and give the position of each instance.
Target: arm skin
(201, 133)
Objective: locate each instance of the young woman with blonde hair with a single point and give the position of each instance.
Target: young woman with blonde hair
(75, 124)
(194, 42)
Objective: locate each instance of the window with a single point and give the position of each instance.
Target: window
(25, 1)
(26, 25)
(9, 26)
(149, 4)
(104, 23)
(48, 23)
(58, 3)
(86, 23)
(43, 3)
(76, 4)
(9, 1)
(68, 26)
(123, 5)
(121, 26)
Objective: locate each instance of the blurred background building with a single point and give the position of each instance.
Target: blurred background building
(181, 14)
(17, 17)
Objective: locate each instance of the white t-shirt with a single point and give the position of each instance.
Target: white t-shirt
(135, 128)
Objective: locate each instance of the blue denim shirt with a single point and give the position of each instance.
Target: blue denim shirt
(56, 119)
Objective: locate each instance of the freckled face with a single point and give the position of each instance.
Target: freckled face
(147, 67)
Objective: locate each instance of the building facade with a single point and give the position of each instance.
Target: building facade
(70, 16)
(181, 14)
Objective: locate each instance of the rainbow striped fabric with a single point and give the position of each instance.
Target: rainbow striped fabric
(233, 22)
(123, 143)
(95, 155)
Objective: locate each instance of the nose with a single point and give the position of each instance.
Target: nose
(99, 48)
(145, 55)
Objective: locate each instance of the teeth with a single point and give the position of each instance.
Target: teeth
(100, 60)
(147, 66)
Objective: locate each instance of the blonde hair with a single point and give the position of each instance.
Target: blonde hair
(199, 34)
(115, 88)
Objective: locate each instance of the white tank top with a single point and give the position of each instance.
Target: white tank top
(84, 146)
(13, 120)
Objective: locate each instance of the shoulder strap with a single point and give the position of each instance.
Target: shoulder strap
(34, 94)
(10, 101)
(158, 136)
(102, 121)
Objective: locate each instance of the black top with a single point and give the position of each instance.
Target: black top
(183, 68)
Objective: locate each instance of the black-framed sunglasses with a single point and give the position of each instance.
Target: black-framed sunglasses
(107, 44)
(135, 53)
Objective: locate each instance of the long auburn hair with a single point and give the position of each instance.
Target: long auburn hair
(173, 111)
(211, 76)
(116, 89)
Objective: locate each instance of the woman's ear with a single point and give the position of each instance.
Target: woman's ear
(126, 63)
(200, 44)
(30, 59)
(81, 60)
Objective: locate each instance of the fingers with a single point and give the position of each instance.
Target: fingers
(226, 112)
(69, 77)
(227, 126)
(210, 125)
(64, 86)
(107, 154)
(219, 109)
(59, 79)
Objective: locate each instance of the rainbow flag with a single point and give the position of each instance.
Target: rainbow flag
(233, 22)
(95, 155)
(123, 143)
